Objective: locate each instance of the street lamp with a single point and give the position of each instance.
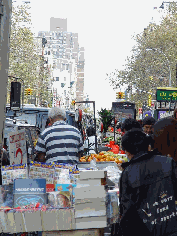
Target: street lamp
(162, 6)
(155, 49)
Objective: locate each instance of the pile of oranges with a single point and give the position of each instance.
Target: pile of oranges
(100, 157)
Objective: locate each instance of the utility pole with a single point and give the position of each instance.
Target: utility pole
(5, 22)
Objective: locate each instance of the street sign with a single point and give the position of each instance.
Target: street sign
(165, 105)
(17, 147)
(164, 114)
(166, 94)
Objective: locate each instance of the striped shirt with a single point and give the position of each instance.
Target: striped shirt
(60, 142)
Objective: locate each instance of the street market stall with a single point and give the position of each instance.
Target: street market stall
(54, 198)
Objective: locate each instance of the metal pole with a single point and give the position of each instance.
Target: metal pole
(95, 127)
(114, 130)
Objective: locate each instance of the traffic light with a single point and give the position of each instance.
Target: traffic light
(28, 91)
(149, 100)
(73, 102)
(122, 95)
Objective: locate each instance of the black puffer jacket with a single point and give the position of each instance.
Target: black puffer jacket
(148, 190)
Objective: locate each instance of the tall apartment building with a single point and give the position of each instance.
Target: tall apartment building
(66, 60)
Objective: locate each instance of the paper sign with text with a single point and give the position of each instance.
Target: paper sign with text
(17, 147)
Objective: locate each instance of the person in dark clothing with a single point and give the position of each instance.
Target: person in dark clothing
(147, 190)
(148, 124)
(165, 137)
(148, 128)
(130, 123)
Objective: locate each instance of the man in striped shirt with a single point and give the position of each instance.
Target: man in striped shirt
(59, 142)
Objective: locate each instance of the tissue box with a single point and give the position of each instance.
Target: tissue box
(93, 174)
(90, 209)
(91, 222)
(90, 192)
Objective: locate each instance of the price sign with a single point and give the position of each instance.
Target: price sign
(17, 147)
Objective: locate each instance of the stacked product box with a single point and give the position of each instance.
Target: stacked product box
(90, 200)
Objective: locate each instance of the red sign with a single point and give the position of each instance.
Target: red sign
(140, 110)
(49, 188)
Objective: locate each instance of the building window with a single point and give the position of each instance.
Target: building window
(64, 92)
(62, 85)
(57, 78)
(64, 78)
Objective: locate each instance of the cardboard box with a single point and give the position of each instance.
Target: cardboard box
(93, 174)
(60, 219)
(65, 219)
(3, 222)
(88, 182)
(90, 209)
(83, 232)
(91, 222)
(90, 200)
(33, 221)
(19, 222)
(90, 192)
(49, 220)
(11, 222)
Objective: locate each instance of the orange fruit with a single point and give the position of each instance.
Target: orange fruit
(101, 153)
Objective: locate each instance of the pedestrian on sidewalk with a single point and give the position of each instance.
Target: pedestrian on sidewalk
(165, 137)
(147, 190)
(148, 129)
(129, 124)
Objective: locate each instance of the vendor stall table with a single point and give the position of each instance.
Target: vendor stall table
(82, 232)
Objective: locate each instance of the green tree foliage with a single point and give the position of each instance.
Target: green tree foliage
(24, 61)
(106, 118)
(153, 56)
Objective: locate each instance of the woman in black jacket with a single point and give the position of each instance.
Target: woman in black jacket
(147, 190)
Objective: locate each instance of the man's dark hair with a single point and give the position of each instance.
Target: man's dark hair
(90, 131)
(149, 121)
(129, 124)
(135, 141)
